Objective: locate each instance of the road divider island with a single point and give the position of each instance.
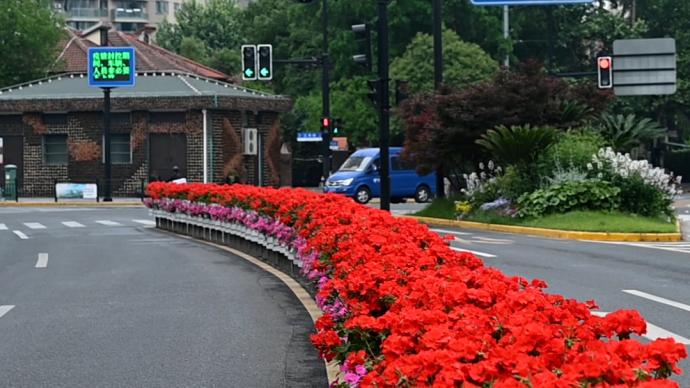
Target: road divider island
(400, 308)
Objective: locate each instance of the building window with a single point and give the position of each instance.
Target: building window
(11, 119)
(177, 7)
(167, 117)
(55, 149)
(121, 119)
(120, 149)
(55, 119)
(162, 7)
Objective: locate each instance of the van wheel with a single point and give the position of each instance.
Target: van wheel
(423, 194)
(363, 195)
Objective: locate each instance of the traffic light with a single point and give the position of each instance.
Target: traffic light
(374, 91)
(337, 127)
(363, 34)
(265, 62)
(326, 123)
(248, 62)
(605, 71)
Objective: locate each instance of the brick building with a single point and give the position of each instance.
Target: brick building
(180, 113)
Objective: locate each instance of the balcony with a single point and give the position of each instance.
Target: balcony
(129, 15)
(86, 14)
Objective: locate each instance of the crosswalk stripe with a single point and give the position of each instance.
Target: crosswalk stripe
(3, 227)
(145, 222)
(72, 224)
(108, 223)
(658, 299)
(455, 232)
(654, 332)
(34, 225)
(42, 260)
(4, 309)
(21, 235)
(483, 254)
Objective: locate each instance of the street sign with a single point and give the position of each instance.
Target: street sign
(529, 2)
(643, 67)
(309, 137)
(111, 67)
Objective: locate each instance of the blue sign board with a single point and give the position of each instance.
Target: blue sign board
(309, 136)
(111, 67)
(529, 2)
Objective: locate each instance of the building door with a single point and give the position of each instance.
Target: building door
(165, 152)
(11, 152)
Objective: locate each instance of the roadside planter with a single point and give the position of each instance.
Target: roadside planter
(403, 309)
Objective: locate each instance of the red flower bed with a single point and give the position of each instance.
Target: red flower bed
(403, 309)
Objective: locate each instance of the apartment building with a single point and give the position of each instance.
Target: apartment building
(124, 15)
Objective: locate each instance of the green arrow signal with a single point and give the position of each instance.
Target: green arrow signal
(249, 73)
(264, 72)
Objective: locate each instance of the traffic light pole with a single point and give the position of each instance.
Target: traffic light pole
(384, 105)
(325, 93)
(108, 192)
(438, 75)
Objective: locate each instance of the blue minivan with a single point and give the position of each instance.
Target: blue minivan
(359, 178)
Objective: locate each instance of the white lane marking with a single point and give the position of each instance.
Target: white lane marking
(108, 223)
(483, 254)
(654, 332)
(451, 232)
(21, 235)
(73, 224)
(681, 248)
(658, 299)
(34, 225)
(3, 227)
(5, 309)
(496, 240)
(42, 260)
(146, 222)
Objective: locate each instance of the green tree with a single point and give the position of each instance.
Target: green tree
(205, 32)
(29, 36)
(463, 63)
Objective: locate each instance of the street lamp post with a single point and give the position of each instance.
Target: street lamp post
(325, 92)
(384, 108)
(438, 75)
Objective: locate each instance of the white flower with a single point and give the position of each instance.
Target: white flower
(590, 167)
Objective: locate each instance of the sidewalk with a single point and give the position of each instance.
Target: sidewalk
(47, 201)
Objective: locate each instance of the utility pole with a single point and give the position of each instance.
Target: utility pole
(325, 93)
(506, 33)
(384, 108)
(438, 75)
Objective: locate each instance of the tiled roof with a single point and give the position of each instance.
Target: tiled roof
(72, 58)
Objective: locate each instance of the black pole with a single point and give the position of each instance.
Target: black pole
(325, 93)
(384, 106)
(438, 76)
(107, 195)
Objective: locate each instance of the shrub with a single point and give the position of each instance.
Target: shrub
(590, 194)
(516, 182)
(624, 133)
(572, 150)
(517, 145)
(639, 197)
(482, 187)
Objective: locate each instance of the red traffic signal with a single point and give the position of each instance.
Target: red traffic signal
(605, 72)
(326, 122)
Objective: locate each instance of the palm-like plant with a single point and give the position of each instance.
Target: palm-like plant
(517, 145)
(624, 133)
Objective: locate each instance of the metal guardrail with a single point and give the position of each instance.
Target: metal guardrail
(120, 13)
(86, 13)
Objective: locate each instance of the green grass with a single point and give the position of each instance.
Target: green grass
(586, 221)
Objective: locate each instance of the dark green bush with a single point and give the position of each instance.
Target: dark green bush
(638, 197)
(515, 182)
(589, 194)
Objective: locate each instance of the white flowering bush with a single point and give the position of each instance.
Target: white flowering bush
(481, 186)
(645, 189)
(608, 161)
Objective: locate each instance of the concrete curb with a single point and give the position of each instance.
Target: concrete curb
(555, 233)
(71, 204)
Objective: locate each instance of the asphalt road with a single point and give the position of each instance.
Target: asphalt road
(98, 298)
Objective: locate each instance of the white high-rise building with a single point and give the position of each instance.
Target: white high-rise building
(124, 15)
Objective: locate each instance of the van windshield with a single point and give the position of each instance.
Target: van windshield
(356, 163)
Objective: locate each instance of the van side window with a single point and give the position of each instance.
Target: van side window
(401, 164)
